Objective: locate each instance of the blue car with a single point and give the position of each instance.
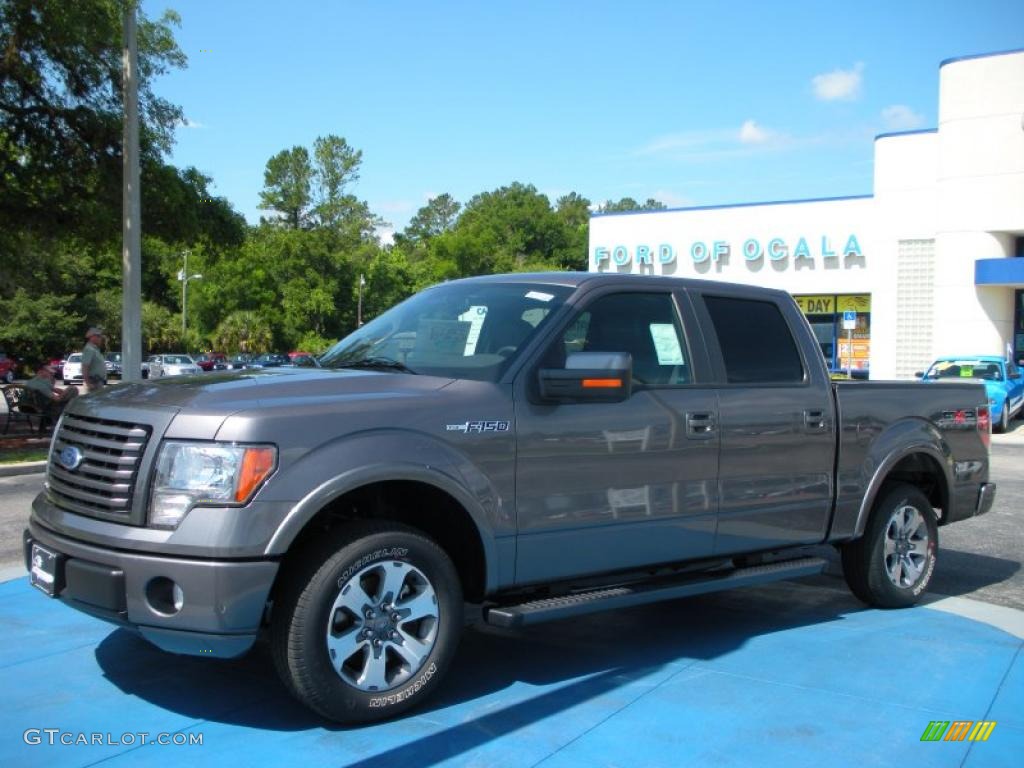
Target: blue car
(1002, 379)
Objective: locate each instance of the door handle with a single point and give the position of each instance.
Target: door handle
(700, 426)
(814, 421)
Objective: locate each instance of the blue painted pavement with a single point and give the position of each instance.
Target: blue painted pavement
(786, 674)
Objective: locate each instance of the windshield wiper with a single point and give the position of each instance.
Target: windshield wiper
(379, 363)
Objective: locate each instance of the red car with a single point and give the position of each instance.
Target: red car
(8, 368)
(210, 361)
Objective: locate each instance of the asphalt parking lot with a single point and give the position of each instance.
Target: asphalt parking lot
(786, 674)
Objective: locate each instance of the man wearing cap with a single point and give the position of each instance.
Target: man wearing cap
(94, 368)
(50, 398)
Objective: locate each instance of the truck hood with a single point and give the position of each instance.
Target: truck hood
(228, 392)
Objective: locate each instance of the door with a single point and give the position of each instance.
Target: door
(614, 486)
(777, 427)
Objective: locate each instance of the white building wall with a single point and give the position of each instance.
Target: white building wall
(960, 186)
(980, 201)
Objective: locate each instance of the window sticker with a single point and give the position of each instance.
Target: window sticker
(540, 296)
(441, 337)
(475, 316)
(966, 371)
(666, 344)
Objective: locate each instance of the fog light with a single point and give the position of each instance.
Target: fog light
(164, 596)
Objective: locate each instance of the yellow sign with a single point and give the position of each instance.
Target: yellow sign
(816, 305)
(854, 303)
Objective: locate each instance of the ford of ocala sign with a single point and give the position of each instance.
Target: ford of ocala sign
(774, 249)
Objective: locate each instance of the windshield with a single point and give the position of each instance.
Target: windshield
(177, 360)
(965, 369)
(457, 330)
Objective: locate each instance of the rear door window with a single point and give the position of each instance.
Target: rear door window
(756, 343)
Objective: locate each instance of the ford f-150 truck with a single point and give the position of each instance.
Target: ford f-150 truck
(523, 448)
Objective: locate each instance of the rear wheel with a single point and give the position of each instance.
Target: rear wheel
(892, 564)
(366, 622)
(1004, 418)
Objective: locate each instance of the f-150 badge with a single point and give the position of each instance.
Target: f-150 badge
(479, 426)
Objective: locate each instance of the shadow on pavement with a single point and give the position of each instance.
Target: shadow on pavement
(961, 573)
(607, 651)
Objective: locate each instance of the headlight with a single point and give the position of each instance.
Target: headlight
(192, 474)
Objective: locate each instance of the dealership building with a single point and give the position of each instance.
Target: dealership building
(930, 264)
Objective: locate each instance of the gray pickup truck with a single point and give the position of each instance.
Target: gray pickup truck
(519, 448)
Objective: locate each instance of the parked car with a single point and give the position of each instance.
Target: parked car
(238, 362)
(57, 364)
(172, 365)
(212, 361)
(72, 371)
(8, 368)
(349, 512)
(112, 361)
(1003, 382)
(300, 361)
(268, 360)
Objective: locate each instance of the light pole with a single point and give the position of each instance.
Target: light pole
(359, 310)
(184, 277)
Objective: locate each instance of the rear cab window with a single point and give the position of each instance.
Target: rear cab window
(755, 340)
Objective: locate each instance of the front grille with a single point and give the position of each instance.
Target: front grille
(103, 484)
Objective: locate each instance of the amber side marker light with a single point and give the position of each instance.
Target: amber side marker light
(256, 465)
(602, 383)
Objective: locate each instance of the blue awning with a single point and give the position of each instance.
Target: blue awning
(999, 272)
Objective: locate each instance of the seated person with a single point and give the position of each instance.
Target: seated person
(50, 398)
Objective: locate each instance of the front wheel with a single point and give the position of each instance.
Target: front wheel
(9, 376)
(891, 565)
(366, 621)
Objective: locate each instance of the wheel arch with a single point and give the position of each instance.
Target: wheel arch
(416, 496)
(922, 466)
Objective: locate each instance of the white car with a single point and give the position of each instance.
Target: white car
(72, 372)
(172, 365)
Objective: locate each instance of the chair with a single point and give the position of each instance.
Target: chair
(23, 406)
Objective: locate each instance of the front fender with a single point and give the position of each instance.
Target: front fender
(346, 464)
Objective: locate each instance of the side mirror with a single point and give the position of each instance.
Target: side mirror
(589, 377)
(919, 375)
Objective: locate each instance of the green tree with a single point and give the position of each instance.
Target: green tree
(60, 112)
(38, 328)
(336, 165)
(573, 211)
(627, 204)
(287, 186)
(243, 332)
(437, 216)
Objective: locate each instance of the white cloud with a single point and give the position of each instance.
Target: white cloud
(748, 139)
(386, 235)
(839, 84)
(900, 117)
(752, 133)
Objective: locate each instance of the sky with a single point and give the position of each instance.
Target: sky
(690, 103)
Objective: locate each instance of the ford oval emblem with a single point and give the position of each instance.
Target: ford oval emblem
(70, 458)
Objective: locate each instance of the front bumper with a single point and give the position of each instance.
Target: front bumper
(222, 601)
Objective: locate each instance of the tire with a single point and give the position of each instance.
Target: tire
(9, 376)
(341, 589)
(1004, 419)
(892, 564)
